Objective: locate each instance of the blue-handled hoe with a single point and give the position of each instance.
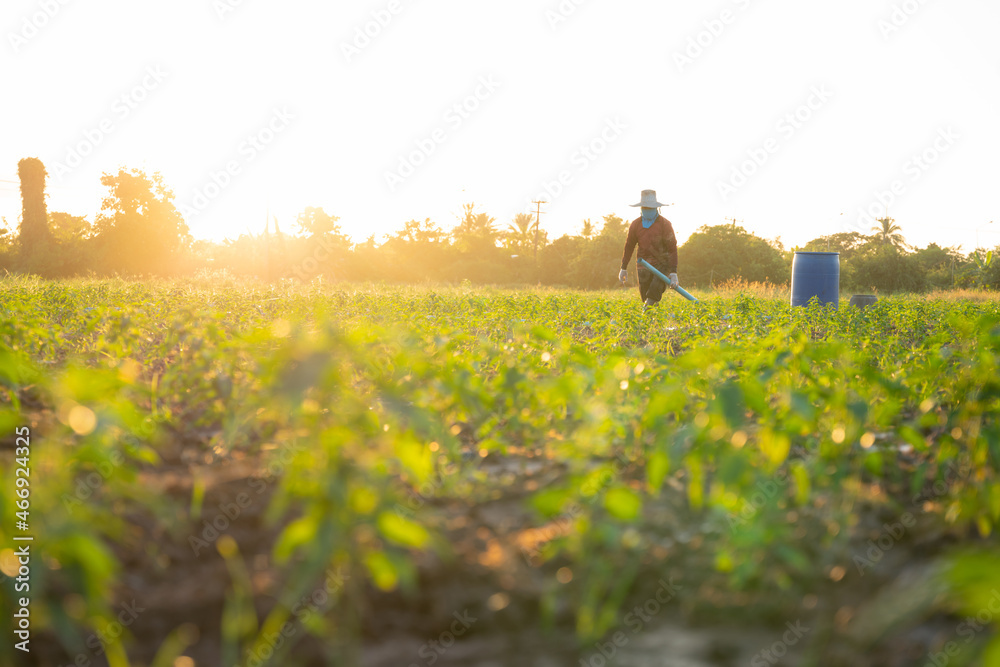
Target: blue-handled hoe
(680, 290)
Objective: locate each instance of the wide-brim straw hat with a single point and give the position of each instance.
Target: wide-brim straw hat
(649, 200)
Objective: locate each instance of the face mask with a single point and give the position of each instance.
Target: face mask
(649, 216)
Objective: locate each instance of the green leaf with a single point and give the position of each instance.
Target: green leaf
(174, 645)
(550, 502)
(541, 333)
(802, 484)
(696, 482)
(730, 398)
(724, 561)
(415, 457)
(297, 533)
(803, 406)
(382, 570)
(794, 557)
(775, 446)
(873, 463)
(656, 471)
(623, 503)
(991, 655)
(363, 500)
(402, 531)
(911, 436)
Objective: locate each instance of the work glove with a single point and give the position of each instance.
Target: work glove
(673, 280)
(622, 276)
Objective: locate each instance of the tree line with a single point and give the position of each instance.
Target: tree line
(139, 232)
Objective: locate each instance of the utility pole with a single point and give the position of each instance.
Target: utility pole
(538, 215)
(734, 221)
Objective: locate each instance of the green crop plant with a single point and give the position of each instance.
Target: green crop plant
(736, 443)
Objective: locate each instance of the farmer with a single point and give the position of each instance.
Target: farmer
(657, 245)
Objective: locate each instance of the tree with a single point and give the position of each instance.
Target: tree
(314, 221)
(850, 245)
(886, 269)
(596, 266)
(419, 251)
(938, 265)
(7, 238)
(420, 232)
(887, 232)
(475, 233)
(614, 227)
(556, 260)
(587, 230)
(34, 216)
(716, 254)
(139, 229)
(66, 228)
(847, 244)
(520, 235)
(325, 251)
(983, 270)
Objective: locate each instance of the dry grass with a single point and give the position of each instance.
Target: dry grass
(976, 295)
(765, 290)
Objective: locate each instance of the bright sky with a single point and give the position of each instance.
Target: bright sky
(790, 116)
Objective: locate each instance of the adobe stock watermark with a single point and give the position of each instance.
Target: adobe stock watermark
(223, 8)
(108, 635)
(33, 24)
(418, 498)
(698, 44)
(322, 248)
(560, 13)
(582, 158)
(968, 628)
(900, 15)
(892, 533)
(432, 650)
(786, 127)
(309, 606)
(953, 473)
(559, 526)
(86, 486)
(913, 170)
(765, 491)
(122, 108)
(228, 512)
(365, 35)
(635, 620)
(249, 150)
(889, 536)
(773, 654)
(90, 483)
(454, 117)
(590, 490)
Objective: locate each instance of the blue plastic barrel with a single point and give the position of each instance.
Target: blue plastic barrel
(816, 274)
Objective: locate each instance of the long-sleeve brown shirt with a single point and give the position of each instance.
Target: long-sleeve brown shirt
(657, 245)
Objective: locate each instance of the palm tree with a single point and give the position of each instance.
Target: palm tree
(887, 232)
(587, 230)
(475, 232)
(520, 234)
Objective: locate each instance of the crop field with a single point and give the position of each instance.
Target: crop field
(234, 473)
